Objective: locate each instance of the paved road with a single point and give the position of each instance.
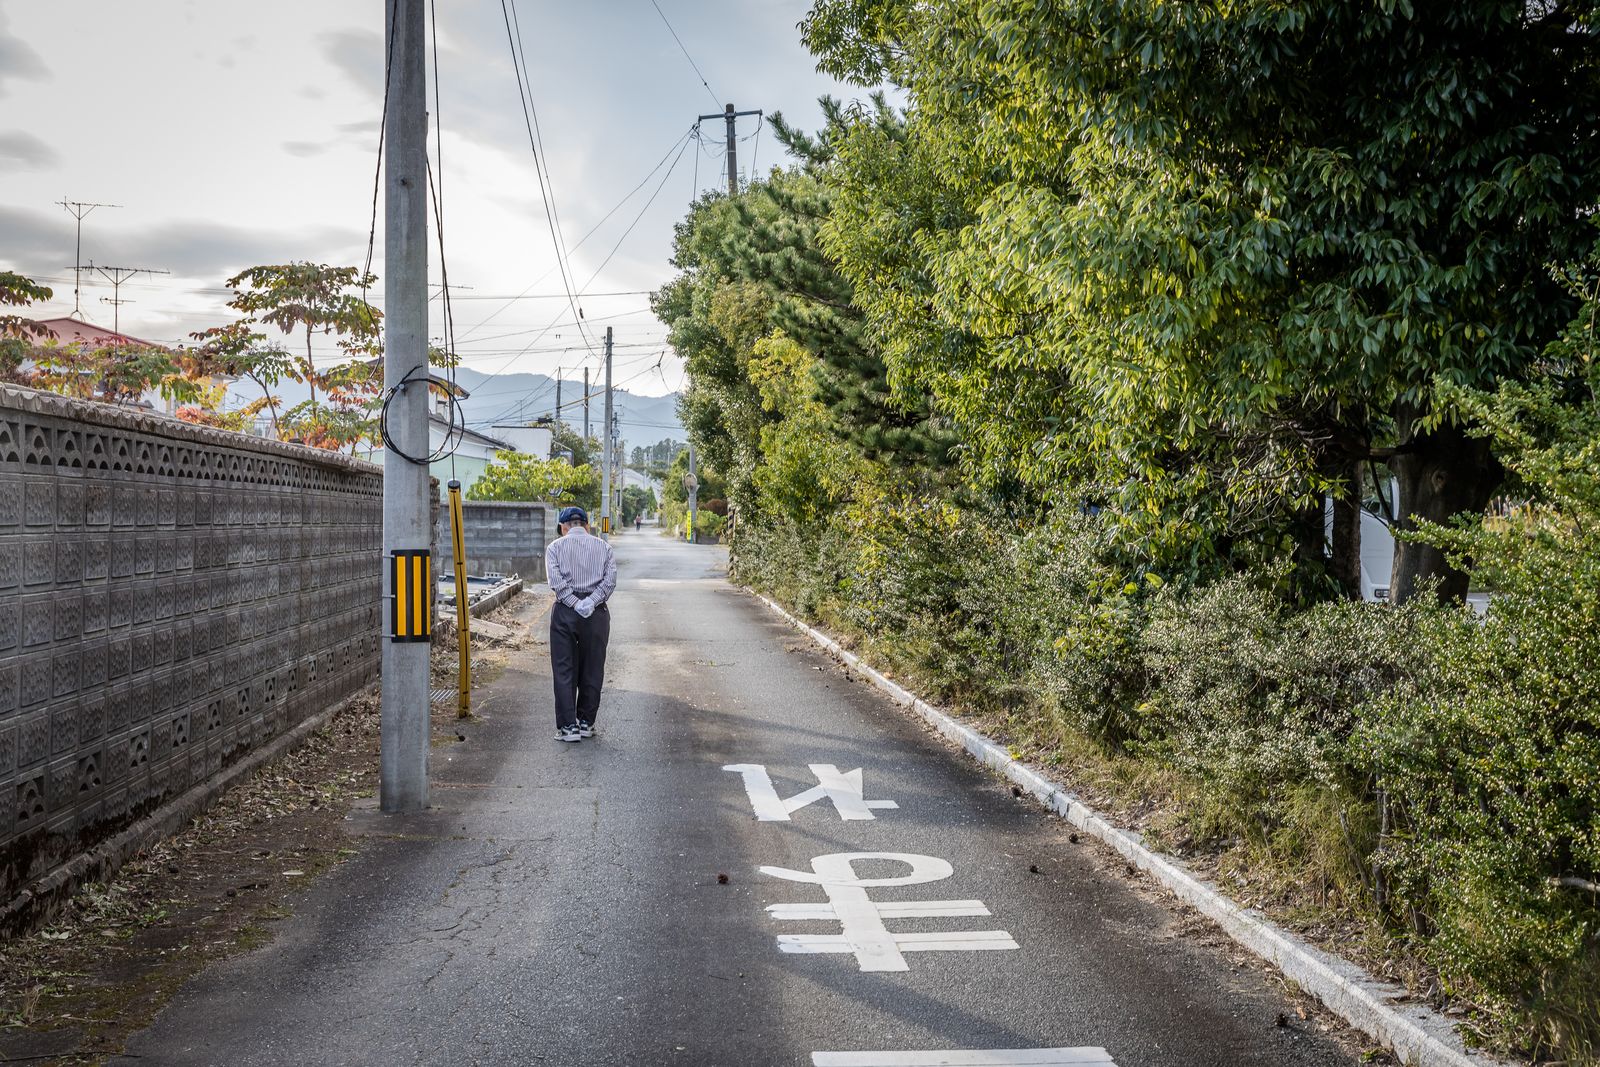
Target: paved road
(564, 904)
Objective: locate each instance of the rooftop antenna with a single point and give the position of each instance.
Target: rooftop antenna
(78, 209)
(116, 276)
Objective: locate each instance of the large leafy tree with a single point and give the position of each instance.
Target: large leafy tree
(238, 350)
(1239, 243)
(18, 333)
(518, 476)
(312, 298)
(753, 268)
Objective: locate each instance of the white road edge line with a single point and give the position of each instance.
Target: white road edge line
(1420, 1036)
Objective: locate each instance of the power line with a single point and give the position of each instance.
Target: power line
(684, 50)
(524, 98)
(661, 185)
(592, 230)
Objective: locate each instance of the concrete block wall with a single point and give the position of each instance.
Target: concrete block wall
(171, 597)
(504, 536)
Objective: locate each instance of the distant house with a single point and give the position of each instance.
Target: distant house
(474, 451)
(67, 331)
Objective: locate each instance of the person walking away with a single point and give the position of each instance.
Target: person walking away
(638, 523)
(583, 574)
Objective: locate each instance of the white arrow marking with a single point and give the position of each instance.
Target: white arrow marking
(844, 790)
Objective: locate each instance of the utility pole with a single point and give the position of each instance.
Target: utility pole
(558, 394)
(116, 276)
(79, 209)
(605, 477)
(586, 405)
(617, 469)
(730, 116)
(694, 491)
(407, 533)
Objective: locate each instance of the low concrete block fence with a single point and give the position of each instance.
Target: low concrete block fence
(172, 598)
(506, 537)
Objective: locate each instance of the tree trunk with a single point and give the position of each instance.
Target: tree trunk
(311, 375)
(1440, 474)
(1344, 561)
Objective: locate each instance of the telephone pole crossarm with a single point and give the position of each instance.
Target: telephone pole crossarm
(731, 117)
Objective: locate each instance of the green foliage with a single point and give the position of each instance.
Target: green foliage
(636, 501)
(318, 298)
(585, 451)
(18, 333)
(518, 476)
(236, 349)
(1494, 756)
(1199, 260)
(112, 373)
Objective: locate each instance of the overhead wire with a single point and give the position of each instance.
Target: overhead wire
(592, 230)
(685, 52)
(524, 98)
(661, 185)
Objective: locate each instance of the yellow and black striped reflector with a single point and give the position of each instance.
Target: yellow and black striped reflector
(411, 574)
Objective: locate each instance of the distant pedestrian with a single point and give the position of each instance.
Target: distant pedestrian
(638, 523)
(583, 575)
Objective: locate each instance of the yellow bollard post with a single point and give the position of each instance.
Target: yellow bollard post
(458, 542)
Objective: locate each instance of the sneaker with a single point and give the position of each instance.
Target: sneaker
(585, 728)
(568, 733)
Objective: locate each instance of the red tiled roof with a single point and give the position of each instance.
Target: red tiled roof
(69, 331)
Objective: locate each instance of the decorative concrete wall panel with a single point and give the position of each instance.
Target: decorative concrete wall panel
(171, 596)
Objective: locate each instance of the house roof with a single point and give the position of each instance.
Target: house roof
(469, 434)
(71, 331)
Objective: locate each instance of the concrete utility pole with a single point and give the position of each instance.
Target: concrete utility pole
(79, 209)
(605, 478)
(730, 116)
(694, 491)
(586, 403)
(558, 394)
(407, 533)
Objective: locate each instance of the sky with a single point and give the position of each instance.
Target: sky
(234, 134)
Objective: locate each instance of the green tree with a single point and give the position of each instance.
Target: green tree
(518, 476)
(236, 349)
(584, 450)
(18, 334)
(315, 298)
(1241, 242)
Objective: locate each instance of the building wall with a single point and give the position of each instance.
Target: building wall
(171, 597)
(504, 536)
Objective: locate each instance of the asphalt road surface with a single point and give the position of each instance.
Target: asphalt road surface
(606, 903)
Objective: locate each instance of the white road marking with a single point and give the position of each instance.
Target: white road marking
(862, 919)
(844, 790)
(998, 1057)
(908, 909)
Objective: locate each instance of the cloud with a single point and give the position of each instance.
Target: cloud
(34, 243)
(38, 243)
(21, 151)
(358, 54)
(18, 59)
(304, 149)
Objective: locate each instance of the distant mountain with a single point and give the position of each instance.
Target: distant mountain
(517, 398)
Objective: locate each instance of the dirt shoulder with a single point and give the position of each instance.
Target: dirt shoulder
(75, 991)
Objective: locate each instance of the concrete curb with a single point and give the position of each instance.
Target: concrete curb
(495, 599)
(39, 898)
(1420, 1036)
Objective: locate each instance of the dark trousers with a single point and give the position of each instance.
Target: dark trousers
(578, 661)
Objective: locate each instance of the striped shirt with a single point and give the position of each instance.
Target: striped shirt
(580, 564)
